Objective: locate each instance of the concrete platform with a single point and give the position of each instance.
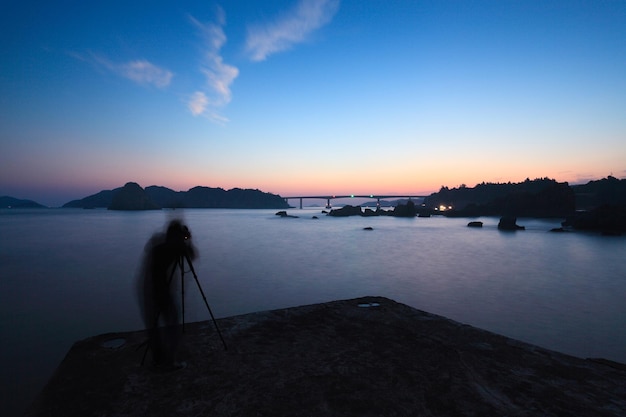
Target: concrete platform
(363, 357)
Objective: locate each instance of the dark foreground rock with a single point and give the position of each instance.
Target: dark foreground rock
(362, 357)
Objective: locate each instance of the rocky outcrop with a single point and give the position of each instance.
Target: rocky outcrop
(371, 213)
(132, 197)
(509, 223)
(401, 210)
(607, 219)
(475, 224)
(346, 211)
(363, 357)
(405, 210)
(283, 213)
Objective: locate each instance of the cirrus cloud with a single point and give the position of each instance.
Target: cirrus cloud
(218, 75)
(144, 72)
(290, 29)
(198, 103)
(139, 71)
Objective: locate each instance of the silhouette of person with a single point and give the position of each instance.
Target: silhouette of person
(163, 254)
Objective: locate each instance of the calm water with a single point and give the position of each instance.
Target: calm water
(69, 274)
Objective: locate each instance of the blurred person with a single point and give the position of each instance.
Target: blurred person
(163, 253)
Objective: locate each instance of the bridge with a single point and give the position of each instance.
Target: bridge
(328, 198)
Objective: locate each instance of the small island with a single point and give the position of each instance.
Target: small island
(7, 202)
(133, 197)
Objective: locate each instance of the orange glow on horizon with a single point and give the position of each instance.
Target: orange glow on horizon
(417, 182)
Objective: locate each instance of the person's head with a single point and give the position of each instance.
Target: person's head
(177, 233)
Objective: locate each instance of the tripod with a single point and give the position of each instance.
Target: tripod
(180, 265)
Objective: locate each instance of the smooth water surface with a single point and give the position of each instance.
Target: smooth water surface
(68, 274)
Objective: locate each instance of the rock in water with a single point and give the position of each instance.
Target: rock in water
(509, 223)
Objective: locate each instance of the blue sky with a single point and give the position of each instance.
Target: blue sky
(309, 96)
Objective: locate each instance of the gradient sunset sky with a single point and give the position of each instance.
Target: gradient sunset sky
(308, 96)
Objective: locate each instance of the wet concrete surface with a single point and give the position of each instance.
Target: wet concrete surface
(363, 357)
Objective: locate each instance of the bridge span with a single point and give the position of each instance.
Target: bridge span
(328, 198)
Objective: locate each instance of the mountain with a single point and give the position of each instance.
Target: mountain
(205, 197)
(101, 199)
(11, 202)
(133, 197)
(164, 197)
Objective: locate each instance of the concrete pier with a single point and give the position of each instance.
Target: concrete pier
(363, 357)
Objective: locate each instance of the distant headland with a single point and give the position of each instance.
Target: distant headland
(597, 205)
(11, 202)
(133, 197)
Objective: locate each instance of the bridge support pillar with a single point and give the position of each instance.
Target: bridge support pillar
(300, 204)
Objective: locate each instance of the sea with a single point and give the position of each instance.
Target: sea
(68, 274)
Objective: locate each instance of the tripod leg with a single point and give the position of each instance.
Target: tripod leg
(145, 352)
(193, 271)
(182, 289)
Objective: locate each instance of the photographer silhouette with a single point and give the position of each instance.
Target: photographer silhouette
(163, 254)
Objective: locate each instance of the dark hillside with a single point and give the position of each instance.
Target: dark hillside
(595, 194)
(537, 198)
(132, 197)
(99, 200)
(162, 197)
(11, 202)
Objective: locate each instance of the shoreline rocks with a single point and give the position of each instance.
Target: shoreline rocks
(509, 223)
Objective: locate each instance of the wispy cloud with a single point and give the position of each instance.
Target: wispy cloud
(144, 72)
(140, 71)
(219, 75)
(197, 103)
(290, 29)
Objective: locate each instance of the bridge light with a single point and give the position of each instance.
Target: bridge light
(351, 195)
(371, 195)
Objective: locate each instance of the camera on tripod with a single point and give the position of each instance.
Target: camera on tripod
(178, 235)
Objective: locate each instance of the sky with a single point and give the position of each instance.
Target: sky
(308, 97)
